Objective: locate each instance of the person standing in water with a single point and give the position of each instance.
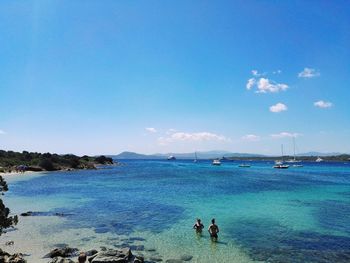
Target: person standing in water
(198, 226)
(213, 230)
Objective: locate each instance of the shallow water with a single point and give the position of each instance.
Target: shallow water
(264, 214)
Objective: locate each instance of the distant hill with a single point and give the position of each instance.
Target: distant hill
(319, 154)
(133, 155)
(200, 155)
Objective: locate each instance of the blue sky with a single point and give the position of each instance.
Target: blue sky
(93, 77)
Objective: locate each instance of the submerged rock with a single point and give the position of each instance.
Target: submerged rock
(186, 257)
(174, 261)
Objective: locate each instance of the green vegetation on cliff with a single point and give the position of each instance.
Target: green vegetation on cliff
(33, 161)
(6, 221)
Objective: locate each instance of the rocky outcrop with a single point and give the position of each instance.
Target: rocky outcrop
(62, 252)
(61, 260)
(123, 255)
(7, 258)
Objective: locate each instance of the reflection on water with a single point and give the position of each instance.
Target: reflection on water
(295, 215)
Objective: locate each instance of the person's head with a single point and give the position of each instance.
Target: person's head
(198, 220)
(82, 257)
(213, 221)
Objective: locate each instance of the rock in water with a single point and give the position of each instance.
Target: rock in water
(62, 252)
(16, 258)
(174, 261)
(113, 256)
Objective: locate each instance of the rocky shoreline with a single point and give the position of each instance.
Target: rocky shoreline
(68, 254)
(118, 249)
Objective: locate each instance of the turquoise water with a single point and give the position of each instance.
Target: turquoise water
(264, 214)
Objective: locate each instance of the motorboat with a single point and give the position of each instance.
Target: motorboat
(171, 158)
(216, 162)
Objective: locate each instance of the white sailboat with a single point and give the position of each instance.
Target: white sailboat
(280, 164)
(294, 161)
(195, 157)
(319, 159)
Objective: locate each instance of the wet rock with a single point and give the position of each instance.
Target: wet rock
(9, 243)
(3, 253)
(151, 249)
(62, 252)
(16, 258)
(61, 260)
(186, 257)
(60, 245)
(103, 248)
(113, 256)
(29, 213)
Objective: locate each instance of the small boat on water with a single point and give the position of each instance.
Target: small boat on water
(319, 159)
(280, 164)
(171, 158)
(244, 165)
(216, 162)
(294, 160)
(195, 157)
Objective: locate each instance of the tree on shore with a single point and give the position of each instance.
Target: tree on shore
(6, 221)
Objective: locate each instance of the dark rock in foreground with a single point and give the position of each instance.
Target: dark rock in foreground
(7, 258)
(61, 260)
(62, 252)
(113, 256)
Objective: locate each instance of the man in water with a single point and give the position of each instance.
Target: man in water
(198, 226)
(213, 230)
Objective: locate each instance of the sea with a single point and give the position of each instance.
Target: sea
(300, 214)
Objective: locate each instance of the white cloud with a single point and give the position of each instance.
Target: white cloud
(194, 137)
(255, 72)
(251, 138)
(265, 85)
(2, 132)
(151, 130)
(285, 135)
(323, 104)
(279, 107)
(277, 71)
(250, 84)
(309, 73)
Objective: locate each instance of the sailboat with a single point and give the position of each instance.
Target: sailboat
(195, 157)
(279, 164)
(319, 159)
(294, 160)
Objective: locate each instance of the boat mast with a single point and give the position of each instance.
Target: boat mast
(294, 147)
(282, 151)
